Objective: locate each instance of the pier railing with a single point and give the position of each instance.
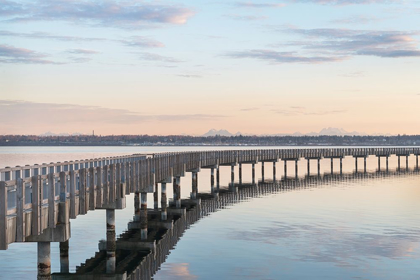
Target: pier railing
(34, 198)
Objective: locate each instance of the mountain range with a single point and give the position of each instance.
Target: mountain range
(330, 131)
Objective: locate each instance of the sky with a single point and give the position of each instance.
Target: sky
(185, 67)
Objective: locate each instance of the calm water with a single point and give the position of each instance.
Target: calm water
(358, 229)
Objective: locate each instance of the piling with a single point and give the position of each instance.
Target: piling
(64, 257)
(143, 216)
(110, 241)
(163, 202)
(44, 260)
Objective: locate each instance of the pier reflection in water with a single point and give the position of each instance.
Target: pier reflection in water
(143, 248)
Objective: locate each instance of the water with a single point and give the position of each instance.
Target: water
(356, 229)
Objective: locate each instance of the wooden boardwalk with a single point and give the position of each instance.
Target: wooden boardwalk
(137, 258)
(38, 201)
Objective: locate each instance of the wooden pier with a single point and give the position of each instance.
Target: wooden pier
(38, 201)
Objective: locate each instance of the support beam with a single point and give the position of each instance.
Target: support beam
(163, 202)
(341, 165)
(365, 165)
(319, 166)
(44, 261)
(387, 157)
(296, 168)
(232, 174)
(194, 183)
(355, 161)
(332, 165)
(406, 162)
(285, 168)
(143, 216)
(212, 180)
(177, 191)
(309, 166)
(156, 196)
(274, 170)
(399, 163)
(253, 173)
(240, 173)
(64, 257)
(379, 163)
(218, 178)
(262, 171)
(110, 241)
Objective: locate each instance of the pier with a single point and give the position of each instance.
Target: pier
(37, 202)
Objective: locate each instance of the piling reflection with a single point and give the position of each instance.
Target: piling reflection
(153, 233)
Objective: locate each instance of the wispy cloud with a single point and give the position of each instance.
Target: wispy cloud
(359, 42)
(157, 57)
(71, 114)
(122, 14)
(302, 111)
(82, 51)
(189, 76)
(142, 42)
(357, 74)
(133, 41)
(249, 109)
(282, 57)
(11, 54)
(246, 18)
(356, 20)
(44, 35)
(258, 5)
(345, 2)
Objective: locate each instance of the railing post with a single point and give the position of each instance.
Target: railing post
(36, 205)
(20, 205)
(3, 216)
(73, 212)
(92, 197)
(82, 191)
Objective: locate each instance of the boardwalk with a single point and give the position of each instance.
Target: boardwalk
(37, 202)
(140, 259)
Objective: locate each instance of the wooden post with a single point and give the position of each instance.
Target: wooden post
(118, 190)
(82, 191)
(73, 212)
(92, 197)
(36, 205)
(112, 184)
(105, 185)
(20, 218)
(51, 200)
(99, 199)
(3, 216)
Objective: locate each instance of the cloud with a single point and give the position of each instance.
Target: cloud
(356, 20)
(247, 18)
(282, 57)
(337, 43)
(121, 14)
(142, 42)
(189, 76)
(134, 41)
(345, 2)
(249, 109)
(76, 115)
(157, 57)
(357, 74)
(82, 51)
(302, 111)
(44, 35)
(250, 4)
(10, 54)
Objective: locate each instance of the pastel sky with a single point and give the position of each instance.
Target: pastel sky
(174, 67)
